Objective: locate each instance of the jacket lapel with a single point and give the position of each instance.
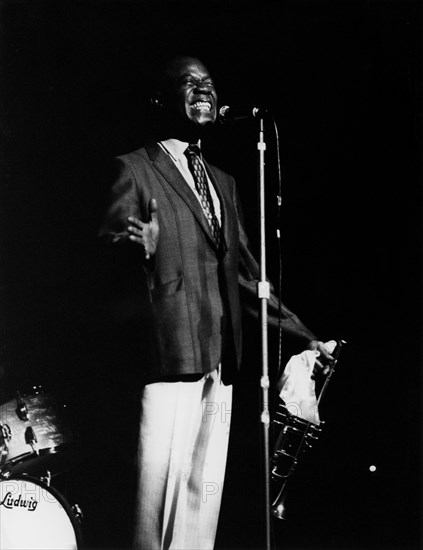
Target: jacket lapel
(168, 170)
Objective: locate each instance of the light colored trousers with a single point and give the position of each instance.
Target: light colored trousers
(182, 454)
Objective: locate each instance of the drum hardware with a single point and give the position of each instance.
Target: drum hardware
(295, 436)
(35, 434)
(47, 478)
(31, 438)
(5, 474)
(78, 512)
(5, 436)
(21, 408)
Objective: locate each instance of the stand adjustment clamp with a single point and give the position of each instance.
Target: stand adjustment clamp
(263, 289)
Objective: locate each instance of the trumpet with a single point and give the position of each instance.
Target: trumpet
(293, 436)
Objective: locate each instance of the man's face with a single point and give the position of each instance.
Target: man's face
(191, 96)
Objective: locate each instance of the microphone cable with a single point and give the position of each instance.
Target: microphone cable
(279, 245)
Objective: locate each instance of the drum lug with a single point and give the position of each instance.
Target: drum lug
(21, 408)
(5, 437)
(76, 509)
(30, 437)
(5, 434)
(5, 474)
(47, 478)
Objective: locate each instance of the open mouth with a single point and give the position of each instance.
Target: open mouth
(202, 106)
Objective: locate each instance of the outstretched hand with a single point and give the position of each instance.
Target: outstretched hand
(146, 234)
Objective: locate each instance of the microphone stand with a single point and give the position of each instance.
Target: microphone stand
(263, 292)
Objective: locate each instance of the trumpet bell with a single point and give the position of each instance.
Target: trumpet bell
(278, 508)
(294, 435)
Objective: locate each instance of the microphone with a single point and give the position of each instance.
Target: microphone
(232, 114)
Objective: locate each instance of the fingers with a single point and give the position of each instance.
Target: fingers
(136, 236)
(135, 226)
(145, 234)
(135, 222)
(328, 358)
(321, 368)
(152, 209)
(325, 361)
(135, 230)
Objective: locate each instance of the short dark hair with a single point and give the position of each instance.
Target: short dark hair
(164, 66)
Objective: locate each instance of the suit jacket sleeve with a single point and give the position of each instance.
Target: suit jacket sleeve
(124, 268)
(249, 276)
(123, 201)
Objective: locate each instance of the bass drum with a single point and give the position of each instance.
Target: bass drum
(35, 516)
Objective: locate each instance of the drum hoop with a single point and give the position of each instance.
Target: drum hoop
(58, 496)
(54, 449)
(8, 465)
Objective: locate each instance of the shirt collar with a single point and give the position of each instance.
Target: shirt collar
(176, 148)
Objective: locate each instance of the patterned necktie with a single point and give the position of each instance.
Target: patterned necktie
(201, 184)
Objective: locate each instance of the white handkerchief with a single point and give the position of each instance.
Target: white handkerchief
(297, 388)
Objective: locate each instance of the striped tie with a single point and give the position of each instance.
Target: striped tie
(201, 184)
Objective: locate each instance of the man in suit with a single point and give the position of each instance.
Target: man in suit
(180, 220)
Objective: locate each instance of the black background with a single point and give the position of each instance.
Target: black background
(343, 81)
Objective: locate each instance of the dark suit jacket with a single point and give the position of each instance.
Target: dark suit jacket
(189, 296)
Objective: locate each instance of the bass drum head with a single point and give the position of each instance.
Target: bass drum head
(34, 516)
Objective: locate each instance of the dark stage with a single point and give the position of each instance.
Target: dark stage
(343, 82)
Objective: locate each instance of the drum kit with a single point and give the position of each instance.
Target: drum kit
(37, 446)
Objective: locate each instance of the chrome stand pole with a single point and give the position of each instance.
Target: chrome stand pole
(263, 292)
